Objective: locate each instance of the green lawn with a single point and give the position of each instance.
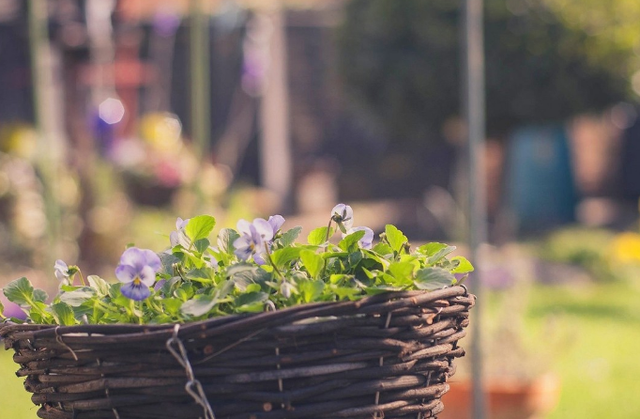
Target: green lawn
(594, 340)
(15, 402)
(596, 355)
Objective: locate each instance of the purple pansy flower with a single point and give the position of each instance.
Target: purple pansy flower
(276, 222)
(137, 270)
(366, 242)
(64, 273)
(179, 236)
(342, 215)
(253, 238)
(61, 271)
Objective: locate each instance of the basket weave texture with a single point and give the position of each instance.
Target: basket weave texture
(385, 356)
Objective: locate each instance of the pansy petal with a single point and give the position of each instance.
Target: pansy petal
(244, 227)
(263, 228)
(60, 265)
(132, 257)
(342, 214)
(337, 210)
(259, 258)
(243, 253)
(61, 270)
(242, 241)
(212, 263)
(366, 241)
(147, 275)
(126, 273)
(348, 223)
(158, 286)
(276, 221)
(151, 259)
(135, 292)
(173, 238)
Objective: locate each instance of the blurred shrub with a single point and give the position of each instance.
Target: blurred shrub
(584, 247)
(400, 61)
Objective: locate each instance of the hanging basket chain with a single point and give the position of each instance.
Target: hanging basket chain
(193, 386)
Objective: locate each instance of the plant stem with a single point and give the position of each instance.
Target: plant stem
(273, 265)
(326, 238)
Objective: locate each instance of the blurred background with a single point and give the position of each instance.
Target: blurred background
(117, 116)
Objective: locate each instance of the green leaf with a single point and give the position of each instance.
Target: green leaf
(355, 258)
(435, 251)
(380, 289)
(242, 275)
(312, 262)
(199, 275)
(290, 236)
(395, 237)
(185, 291)
(19, 291)
(373, 259)
(200, 227)
(63, 314)
(400, 281)
(463, 267)
(168, 260)
(194, 260)
(77, 297)
(431, 249)
(226, 237)
(100, 285)
(349, 293)
(401, 270)
(382, 249)
(252, 302)
(285, 255)
(310, 290)
(433, 278)
(339, 278)
(253, 288)
(350, 241)
(201, 245)
(199, 305)
(2, 311)
(39, 314)
(40, 295)
(317, 236)
(172, 305)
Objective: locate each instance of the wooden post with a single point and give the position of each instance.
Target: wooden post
(275, 148)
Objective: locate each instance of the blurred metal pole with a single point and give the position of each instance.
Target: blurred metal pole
(474, 111)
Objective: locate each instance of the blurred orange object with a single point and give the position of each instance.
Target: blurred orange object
(508, 398)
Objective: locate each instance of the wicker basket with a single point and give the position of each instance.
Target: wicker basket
(384, 356)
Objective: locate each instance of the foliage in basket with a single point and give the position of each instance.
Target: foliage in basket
(258, 267)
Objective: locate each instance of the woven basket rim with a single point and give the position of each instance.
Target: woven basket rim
(321, 309)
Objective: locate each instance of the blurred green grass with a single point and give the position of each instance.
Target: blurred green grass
(15, 402)
(595, 356)
(597, 361)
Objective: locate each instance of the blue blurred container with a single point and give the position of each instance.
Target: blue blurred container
(539, 182)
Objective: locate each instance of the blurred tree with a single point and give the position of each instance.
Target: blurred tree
(400, 61)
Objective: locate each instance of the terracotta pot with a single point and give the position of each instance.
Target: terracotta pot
(508, 398)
